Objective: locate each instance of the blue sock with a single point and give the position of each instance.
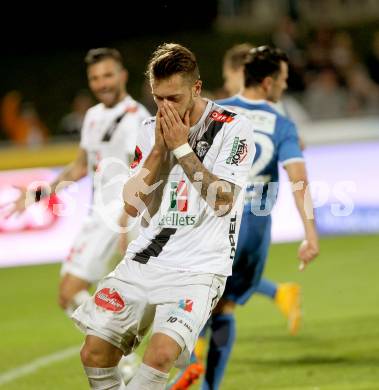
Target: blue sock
(221, 343)
(267, 288)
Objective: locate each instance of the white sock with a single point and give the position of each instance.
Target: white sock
(148, 378)
(128, 366)
(79, 298)
(104, 378)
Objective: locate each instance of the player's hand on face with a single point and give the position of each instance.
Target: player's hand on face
(175, 130)
(160, 144)
(308, 250)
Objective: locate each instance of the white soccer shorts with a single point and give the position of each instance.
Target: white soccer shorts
(90, 256)
(135, 296)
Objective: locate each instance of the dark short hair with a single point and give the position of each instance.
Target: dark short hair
(261, 62)
(172, 58)
(96, 55)
(235, 57)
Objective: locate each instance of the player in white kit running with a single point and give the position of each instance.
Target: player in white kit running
(191, 162)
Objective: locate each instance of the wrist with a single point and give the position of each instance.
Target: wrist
(182, 150)
(311, 234)
(158, 151)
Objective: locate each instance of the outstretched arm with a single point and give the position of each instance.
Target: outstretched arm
(72, 172)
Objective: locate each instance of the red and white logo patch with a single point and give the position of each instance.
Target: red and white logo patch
(219, 117)
(109, 299)
(137, 157)
(131, 109)
(186, 304)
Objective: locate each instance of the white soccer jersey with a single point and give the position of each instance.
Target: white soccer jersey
(109, 138)
(184, 233)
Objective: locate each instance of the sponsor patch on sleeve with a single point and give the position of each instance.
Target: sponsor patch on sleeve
(221, 117)
(137, 158)
(238, 152)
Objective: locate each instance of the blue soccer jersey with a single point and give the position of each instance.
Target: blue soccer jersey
(276, 141)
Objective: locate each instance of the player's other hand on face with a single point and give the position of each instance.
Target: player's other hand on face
(308, 250)
(175, 129)
(160, 144)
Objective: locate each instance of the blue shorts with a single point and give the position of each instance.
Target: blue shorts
(249, 262)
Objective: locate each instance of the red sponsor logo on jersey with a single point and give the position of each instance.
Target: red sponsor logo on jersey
(109, 299)
(219, 117)
(132, 109)
(137, 157)
(178, 196)
(186, 304)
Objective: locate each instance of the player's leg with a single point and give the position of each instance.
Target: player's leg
(223, 335)
(73, 291)
(160, 356)
(192, 372)
(288, 300)
(287, 297)
(247, 271)
(100, 359)
(114, 320)
(86, 264)
(184, 319)
(267, 288)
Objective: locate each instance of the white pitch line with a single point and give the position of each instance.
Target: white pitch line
(27, 369)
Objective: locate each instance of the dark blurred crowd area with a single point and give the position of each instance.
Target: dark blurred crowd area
(332, 75)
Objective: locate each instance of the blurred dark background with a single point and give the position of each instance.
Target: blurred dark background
(333, 47)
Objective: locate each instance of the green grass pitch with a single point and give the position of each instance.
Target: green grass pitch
(337, 347)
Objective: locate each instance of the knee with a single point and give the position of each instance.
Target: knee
(92, 357)
(162, 359)
(97, 352)
(86, 356)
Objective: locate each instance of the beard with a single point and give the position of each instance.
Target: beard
(111, 98)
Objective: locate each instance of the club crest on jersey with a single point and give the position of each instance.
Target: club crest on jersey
(186, 304)
(238, 153)
(109, 299)
(202, 148)
(137, 157)
(178, 196)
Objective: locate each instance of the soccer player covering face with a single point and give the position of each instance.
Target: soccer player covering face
(191, 162)
(265, 76)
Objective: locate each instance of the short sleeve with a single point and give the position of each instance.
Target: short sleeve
(84, 133)
(289, 146)
(144, 144)
(237, 152)
(133, 124)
